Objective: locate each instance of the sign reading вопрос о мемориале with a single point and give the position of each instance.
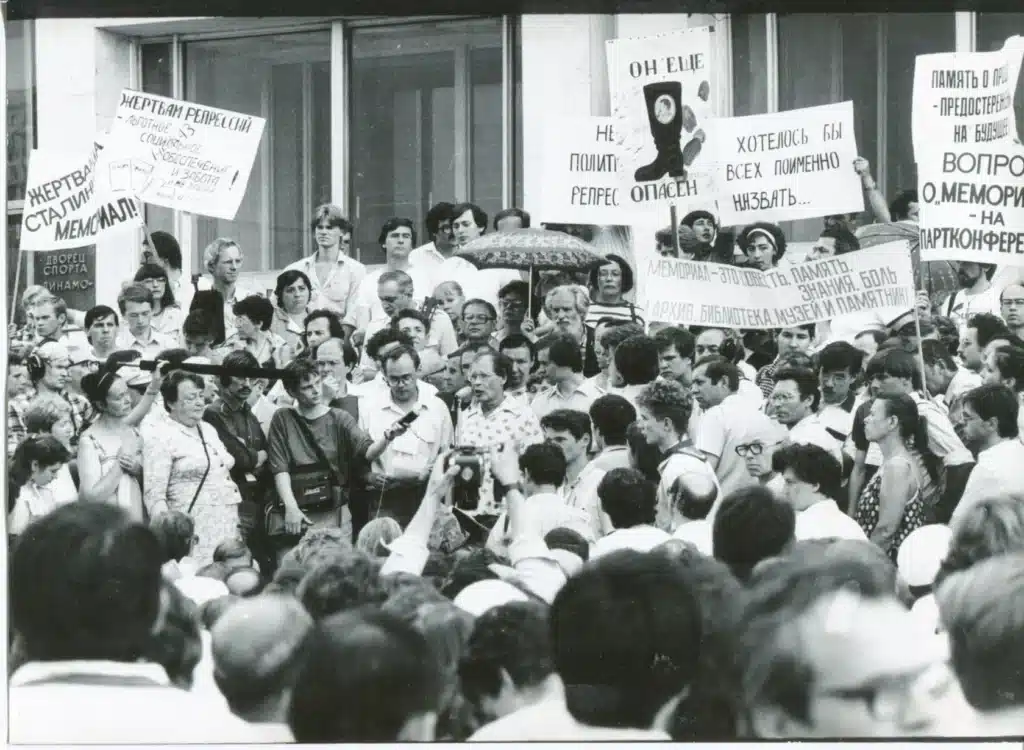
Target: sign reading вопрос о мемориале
(180, 154)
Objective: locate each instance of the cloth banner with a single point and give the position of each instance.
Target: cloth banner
(787, 166)
(685, 293)
(965, 99)
(69, 204)
(661, 105)
(182, 155)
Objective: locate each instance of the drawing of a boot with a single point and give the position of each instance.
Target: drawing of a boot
(664, 113)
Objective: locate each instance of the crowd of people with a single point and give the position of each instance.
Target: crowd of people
(373, 507)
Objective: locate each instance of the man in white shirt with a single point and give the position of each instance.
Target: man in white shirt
(813, 480)
(334, 275)
(977, 293)
(611, 415)
(839, 364)
(990, 426)
(979, 331)
(629, 501)
(693, 497)
(138, 334)
(432, 255)
(724, 420)
(1011, 306)
(793, 403)
(571, 431)
(944, 378)
(567, 388)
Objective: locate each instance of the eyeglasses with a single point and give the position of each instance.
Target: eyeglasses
(401, 379)
(477, 318)
(745, 450)
(706, 350)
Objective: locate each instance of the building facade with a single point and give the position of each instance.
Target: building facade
(387, 116)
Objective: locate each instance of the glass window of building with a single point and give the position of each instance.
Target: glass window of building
(20, 91)
(749, 33)
(426, 123)
(157, 77)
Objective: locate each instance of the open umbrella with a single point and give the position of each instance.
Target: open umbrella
(937, 277)
(527, 249)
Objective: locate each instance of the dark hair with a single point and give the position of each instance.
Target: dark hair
(438, 213)
(841, 355)
(719, 367)
(626, 635)
(479, 215)
(948, 332)
(647, 456)
(619, 332)
(211, 303)
(174, 531)
(511, 639)
(806, 382)
(153, 271)
(774, 230)
(349, 580)
(298, 371)
(636, 360)
(678, 338)
(288, 277)
(989, 327)
(564, 351)
(1009, 361)
(518, 341)
(391, 225)
(811, 464)
(666, 399)
(611, 416)
(99, 312)
(197, 325)
(166, 248)
(44, 450)
(230, 549)
(894, 363)
(516, 287)
(622, 263)
(508, 213)
(846, 241)
(502, 365)
(913, 428)
(899, 209)
(936, 353)
(333, 322)
(177, 644)
(992, 401)
(85, 585)
(390, 676)
(488, 307)
(348, 353)
(569, 540)
(169, 388)
(628, 497)
(237, 358)
(256, 308)
(138, 293)
(96, 386)
(334, 217)
(544, 463)
(385, 337)
(410, 313)
(751, 525)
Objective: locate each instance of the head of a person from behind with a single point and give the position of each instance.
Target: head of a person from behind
(981, 330)
(543, 466)
(349, 580)
(795, 395)
(676, 348)
(628, 498)
(811, 474)
(233, 552)
(508, 664)
(989, 528)
(663, 411)
(939, 367)
(606, 340)
(1005, 365)
(85, 584)
(611, 415)
(176, 532)
(839, 364)
(626, 633)
(643, 456)
(389, 690)
(982, 610)
(692, 495)
(990, 416)
(714, 379)
(827, 650)
(751, 525)
(510, 219)
(165, 251)
(257, 649)
(376, 535)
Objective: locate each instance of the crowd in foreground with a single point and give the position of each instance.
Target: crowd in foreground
(394, 517)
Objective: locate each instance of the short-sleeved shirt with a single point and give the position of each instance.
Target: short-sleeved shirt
(338, 290)
(424, 442)
(549, 399)
(720, 430)
(344, 445)
(366, 307)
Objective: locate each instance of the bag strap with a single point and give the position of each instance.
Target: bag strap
(206, 473)
(320, 455)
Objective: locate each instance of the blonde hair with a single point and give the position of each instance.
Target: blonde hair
(33, 294)
(43, 412)
(211, 255)
(580, 298)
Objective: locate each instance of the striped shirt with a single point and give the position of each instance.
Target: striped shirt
(624, 311)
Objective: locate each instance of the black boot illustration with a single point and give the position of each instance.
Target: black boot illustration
(664, 113)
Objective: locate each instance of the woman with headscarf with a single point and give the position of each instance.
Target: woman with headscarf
(608, 284)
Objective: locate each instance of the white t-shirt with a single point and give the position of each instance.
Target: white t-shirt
(721, 429)
(825, 520)
(961, 306)
(997, 473)
(811, 431)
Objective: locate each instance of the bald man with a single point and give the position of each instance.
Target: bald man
(257, 648)
(335, 360)
(694, 496)
(1011, 307)
(762, 437)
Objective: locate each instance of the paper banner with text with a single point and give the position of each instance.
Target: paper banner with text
(965, 98)
(68, 203)
(686, 293)
(787, 165)
(972, 204)
(661, 105)
(182, 155)
(581, 183)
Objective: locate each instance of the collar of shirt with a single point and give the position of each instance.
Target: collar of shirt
(36, 672)
(290, 325)
(509, 404)
(823, 509)
(128, 340)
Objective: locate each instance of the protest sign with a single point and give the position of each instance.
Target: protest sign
(972, 204)
(682, 292)
(581, 183)
(965, 98)
(182, 155)
(661, 104)
(787, 165)
(68, 203)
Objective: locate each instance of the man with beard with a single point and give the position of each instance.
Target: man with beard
(976, 295)
(566, 307)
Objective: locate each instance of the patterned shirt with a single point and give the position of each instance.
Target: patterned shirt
(765, 379)
(336, 292)
(511, 422)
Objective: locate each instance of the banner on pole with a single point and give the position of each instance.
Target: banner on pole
(682, 292)
(182, 155)
(69, 204)
(965, 99)
(661, 105)
(972, 204)
(787, 166)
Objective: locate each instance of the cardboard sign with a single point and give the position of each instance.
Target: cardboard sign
(972, 204)
(965, 99)
(661, 105)
(68, 274)
(69, 205)
(682, 292)
(182, 155)
(787, 166)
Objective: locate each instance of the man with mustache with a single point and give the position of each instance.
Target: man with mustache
(976, 295)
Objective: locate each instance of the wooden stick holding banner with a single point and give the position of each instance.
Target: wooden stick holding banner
(920, 352)
(673, 217)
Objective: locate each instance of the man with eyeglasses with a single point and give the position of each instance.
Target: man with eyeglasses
(479, 321)
(1011, 307)
(757, 446)
(794, 403)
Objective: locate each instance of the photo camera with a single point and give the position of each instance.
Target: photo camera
(466, 486)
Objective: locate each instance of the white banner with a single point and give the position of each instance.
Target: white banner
(965, 99)
(68, 203)
(182, 155)
(972, 204)
(787, 166)
(661, 104)
(687, 293)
